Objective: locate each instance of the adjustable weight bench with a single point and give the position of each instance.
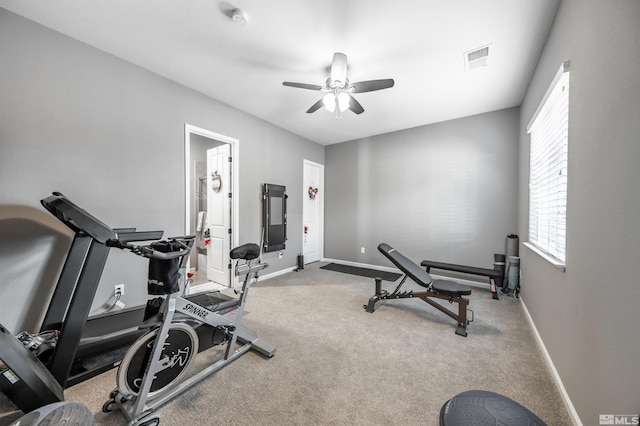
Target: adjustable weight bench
(450, 291)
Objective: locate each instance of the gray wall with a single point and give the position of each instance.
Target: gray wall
(443, 192)
(110, 136)
(588, 316)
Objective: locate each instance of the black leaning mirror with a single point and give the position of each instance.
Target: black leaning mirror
(274, 217)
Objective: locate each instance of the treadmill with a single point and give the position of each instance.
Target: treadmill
(87, 346)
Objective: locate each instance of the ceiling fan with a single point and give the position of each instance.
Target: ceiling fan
(338, 89)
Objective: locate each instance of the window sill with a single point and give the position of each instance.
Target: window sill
(555, 262)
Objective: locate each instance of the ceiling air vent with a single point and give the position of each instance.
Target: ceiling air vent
(476, 58)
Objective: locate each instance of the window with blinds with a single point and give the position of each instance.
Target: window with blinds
(548, 169)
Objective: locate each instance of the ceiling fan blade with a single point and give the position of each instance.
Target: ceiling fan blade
(303, 85)
(355, 105)
(339, 68)
(315, 106)
(371, 85)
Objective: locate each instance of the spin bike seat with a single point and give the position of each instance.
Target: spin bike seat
(247, 251)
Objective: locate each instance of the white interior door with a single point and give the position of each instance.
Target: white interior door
(312, 212)
(219, 214)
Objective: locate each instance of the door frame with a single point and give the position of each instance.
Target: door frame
(305, 193)
(235, 184)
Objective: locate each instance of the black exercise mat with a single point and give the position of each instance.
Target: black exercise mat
(363, 272)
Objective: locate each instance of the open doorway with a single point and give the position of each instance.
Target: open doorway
(211, 206)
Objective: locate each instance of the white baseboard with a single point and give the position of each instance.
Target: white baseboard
(556, 377)
(211, 286)
(277, 273)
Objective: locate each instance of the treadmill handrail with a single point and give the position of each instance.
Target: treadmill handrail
(149, 252)
(130, 234)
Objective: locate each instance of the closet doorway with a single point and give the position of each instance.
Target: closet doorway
(211, 206)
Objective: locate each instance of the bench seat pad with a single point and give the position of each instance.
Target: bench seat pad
(450, 287)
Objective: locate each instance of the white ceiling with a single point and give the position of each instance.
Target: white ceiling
(418, 43)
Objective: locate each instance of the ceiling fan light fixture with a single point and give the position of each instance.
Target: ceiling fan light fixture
(333, 100)
(343, 101)
(329, 101)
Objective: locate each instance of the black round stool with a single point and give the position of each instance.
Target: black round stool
(483, 408)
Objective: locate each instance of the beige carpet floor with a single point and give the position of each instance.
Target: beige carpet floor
(336, 364)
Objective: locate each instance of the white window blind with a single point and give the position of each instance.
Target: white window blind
(548, 169)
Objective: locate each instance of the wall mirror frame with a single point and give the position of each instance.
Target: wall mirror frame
(274, 217)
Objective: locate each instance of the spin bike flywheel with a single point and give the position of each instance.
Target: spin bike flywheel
(180, 349)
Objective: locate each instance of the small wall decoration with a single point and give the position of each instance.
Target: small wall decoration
(313, 192)
(216, 181)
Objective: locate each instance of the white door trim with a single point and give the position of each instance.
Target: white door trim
(235, 167)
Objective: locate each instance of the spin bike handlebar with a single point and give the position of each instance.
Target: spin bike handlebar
(149, 252)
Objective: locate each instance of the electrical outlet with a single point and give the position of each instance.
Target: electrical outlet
(119, 289)
(362, 250)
